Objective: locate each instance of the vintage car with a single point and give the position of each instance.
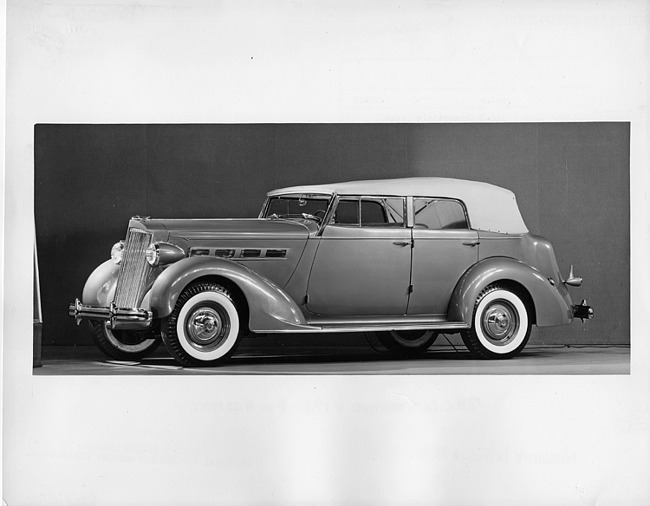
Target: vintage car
(403, 259)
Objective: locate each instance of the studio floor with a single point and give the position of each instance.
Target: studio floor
(273, 355)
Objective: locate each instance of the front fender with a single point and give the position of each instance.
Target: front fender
(270, 307)
(99, 289)
(549, 306)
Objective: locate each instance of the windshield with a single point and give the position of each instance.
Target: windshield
(297, 206)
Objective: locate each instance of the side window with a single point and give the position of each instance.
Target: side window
(425, 214)
(370, 212)
(382, 212)
(451, 214)
(347, 212)
(439, 214)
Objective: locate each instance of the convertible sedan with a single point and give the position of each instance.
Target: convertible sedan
(406, 259)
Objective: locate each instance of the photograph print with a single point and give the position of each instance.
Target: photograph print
(334, 248)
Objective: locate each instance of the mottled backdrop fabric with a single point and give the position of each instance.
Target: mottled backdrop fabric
(571, 181)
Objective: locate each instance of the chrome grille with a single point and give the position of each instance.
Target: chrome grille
(135, 269)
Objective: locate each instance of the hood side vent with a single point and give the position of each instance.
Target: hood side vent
(224, 253)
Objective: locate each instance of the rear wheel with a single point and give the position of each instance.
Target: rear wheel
(203, 328)
(500, 324)
(125, 344)
(407, 342)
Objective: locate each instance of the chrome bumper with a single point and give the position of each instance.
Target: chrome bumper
(117, 318)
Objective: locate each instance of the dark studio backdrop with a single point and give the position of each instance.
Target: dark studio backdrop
(571, 181)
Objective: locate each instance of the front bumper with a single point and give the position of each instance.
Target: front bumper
(117, 318)
(582, 311)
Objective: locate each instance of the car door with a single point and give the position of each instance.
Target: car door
(444, 247)
(363, 262)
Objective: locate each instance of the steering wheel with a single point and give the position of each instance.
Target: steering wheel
(308, 216)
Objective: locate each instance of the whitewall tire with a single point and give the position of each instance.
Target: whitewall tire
(407, 342)
(203, 328)
(125, 344)
(500, 324)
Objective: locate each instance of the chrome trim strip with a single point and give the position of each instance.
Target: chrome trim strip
(381, 320)
(310, 329)
(238, 253)
(329, 214)
(410, 216)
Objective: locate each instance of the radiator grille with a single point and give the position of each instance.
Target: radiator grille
(135, 269)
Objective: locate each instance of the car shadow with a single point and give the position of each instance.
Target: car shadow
(295, 356)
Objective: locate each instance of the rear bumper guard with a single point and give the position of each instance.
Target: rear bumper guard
(117, 318)
(582, 311)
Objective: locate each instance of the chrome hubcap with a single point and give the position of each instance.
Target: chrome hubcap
(207, 327)
(500, 322)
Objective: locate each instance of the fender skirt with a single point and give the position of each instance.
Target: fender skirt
(270, 307)
(551, 308)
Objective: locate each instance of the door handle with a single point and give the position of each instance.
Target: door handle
(401, 243)
(471, 243)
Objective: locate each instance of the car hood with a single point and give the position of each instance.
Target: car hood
(269, 247)
(200, 229)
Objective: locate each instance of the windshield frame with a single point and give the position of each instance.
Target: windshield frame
(321, 225)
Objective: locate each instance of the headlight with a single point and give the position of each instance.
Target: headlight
(163, 253)
(153, 254)
(117, 252)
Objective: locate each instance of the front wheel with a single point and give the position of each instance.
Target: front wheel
(125, 344)
(500, 324)
(203, 328)
(407, 342)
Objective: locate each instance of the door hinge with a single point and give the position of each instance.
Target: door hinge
(307, 299)
(410, 288)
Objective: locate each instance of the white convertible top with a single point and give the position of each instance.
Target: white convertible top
(490, 207)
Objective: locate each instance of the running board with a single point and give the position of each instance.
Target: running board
(350, 326)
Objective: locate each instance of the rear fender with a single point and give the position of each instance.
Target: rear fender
(549, 306)
(270, 307)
